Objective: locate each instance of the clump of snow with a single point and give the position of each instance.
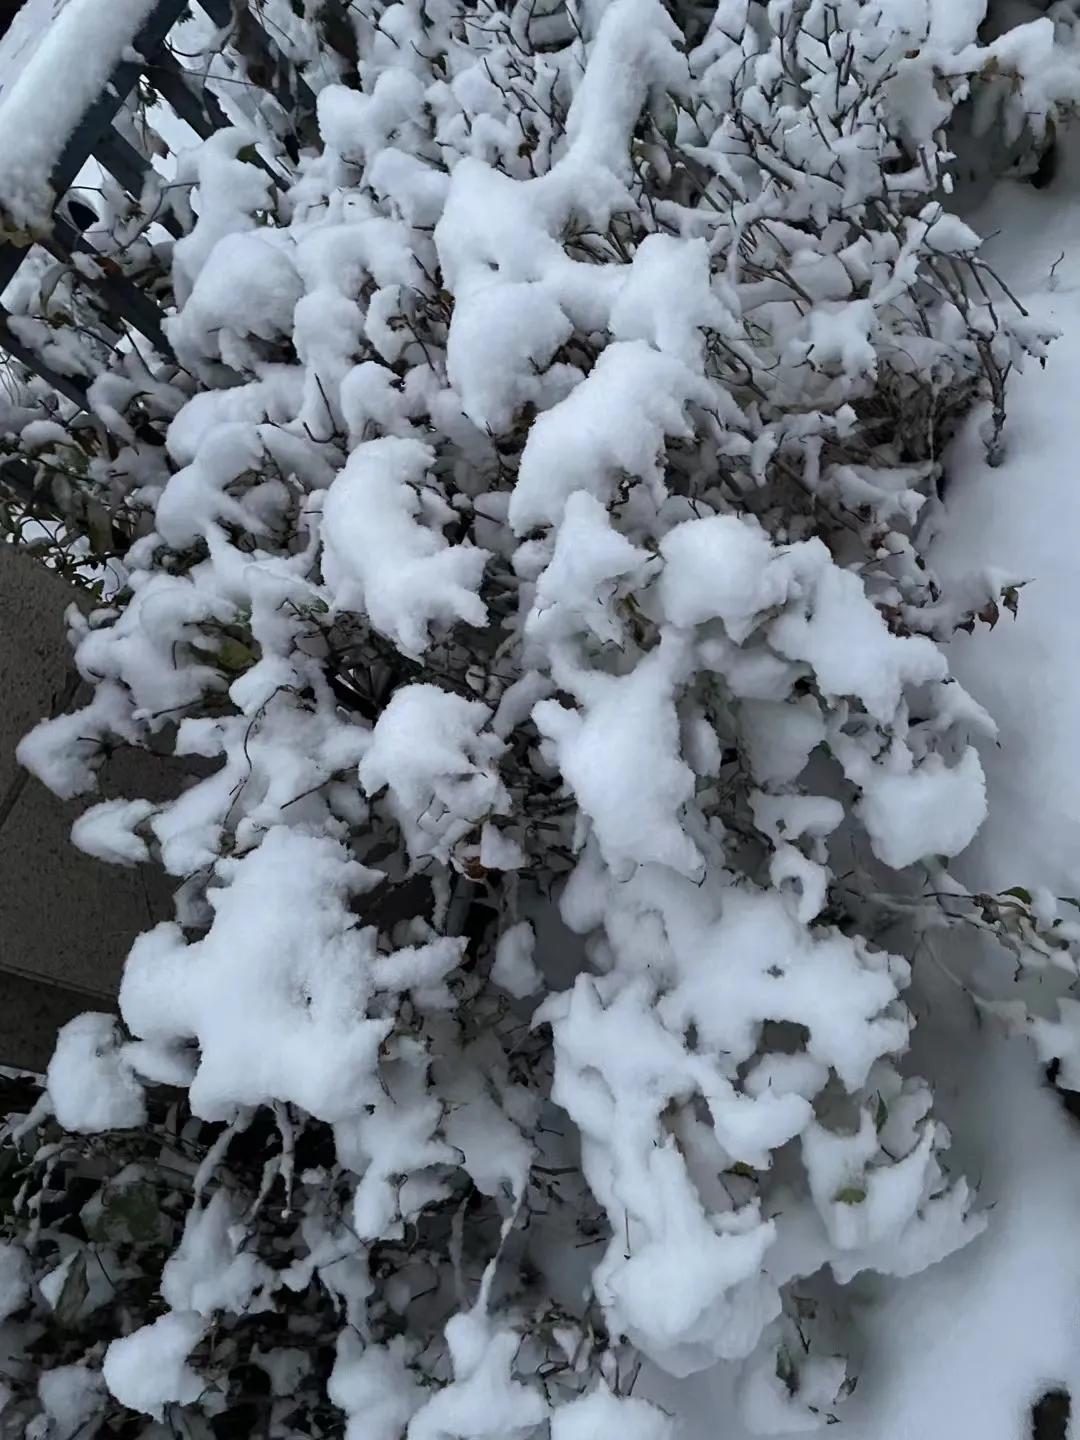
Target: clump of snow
(91, 1085)
(931, 809)
(769, 1403)
(502, 338)
(148, 1370)
(642, 396)
(374, 1387)
(66, 752)
(431, 752)
(231, 191)
(381, 554)
(107, 831)
(482, 1400)
(251, 280)
(279, 1011)
(602, 1413)
(591, 563)
(627, 725)
(73, 1397)
(844, 638)
(514, 968)
(208, 1271)
(720, 568)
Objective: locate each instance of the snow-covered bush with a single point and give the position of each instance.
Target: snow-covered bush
(533, 568)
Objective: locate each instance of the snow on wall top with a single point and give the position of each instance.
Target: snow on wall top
(54, 62)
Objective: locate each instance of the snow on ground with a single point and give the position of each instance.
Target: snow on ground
(1024, 516)
(963, 1349)
(960, 1351)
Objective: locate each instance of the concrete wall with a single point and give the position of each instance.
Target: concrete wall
(66, 921)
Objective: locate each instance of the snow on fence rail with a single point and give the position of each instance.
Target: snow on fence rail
(67, 68)
(55, 68)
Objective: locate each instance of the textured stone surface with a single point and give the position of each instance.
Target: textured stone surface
(66, 921)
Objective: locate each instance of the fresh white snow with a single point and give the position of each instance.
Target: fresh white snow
(583, 739)
(965, 1348)
(54, 62)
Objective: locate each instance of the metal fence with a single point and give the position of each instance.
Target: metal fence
(149, 60)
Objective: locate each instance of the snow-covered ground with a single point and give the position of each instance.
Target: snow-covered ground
(964, 1349)
(961, 1351)
(1024, 516)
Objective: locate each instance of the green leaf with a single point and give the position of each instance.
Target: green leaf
(881, 1114)
(73, 1292)
(234, 655)
(99, 527)
(850, 1195)
(126, 1214)
(741, 1169)
(785, 1370)
(1019, 893)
